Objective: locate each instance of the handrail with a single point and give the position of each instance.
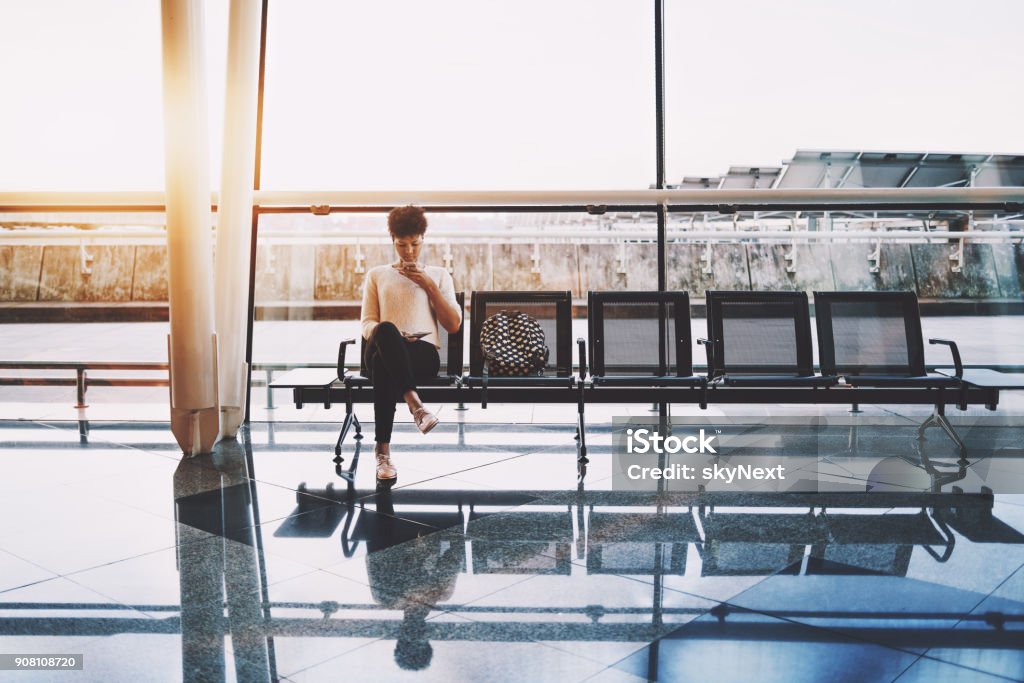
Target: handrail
(36, 236)
(727, 200)
(82, 379)
(810, 198)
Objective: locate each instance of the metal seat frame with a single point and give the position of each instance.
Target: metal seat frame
(566, 387)
(912, 374)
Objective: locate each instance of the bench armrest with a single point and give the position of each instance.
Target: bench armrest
(709, 350)
(341, 356)
(957, 363)
(581, 344)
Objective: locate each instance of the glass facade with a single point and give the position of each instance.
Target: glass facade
(459, 95)
(81, 82)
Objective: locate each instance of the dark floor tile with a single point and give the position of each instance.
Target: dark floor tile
(757, 647)
(887, 610)
(989, 638)
(927, 670)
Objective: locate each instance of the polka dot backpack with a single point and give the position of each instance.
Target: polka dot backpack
(513, 344)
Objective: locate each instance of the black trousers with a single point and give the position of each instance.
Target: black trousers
(395, 365)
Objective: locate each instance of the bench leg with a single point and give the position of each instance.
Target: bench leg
(852, 442)
(938, 417)
(581, 431)
(345, 426)
(349, 475)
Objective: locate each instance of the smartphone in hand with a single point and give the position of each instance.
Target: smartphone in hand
(415, 335)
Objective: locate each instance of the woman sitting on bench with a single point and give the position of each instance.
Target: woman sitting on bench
(402, 305)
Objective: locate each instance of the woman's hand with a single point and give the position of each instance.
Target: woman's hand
(419, 276)
(449, 317)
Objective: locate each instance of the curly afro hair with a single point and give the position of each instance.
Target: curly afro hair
(406, 221)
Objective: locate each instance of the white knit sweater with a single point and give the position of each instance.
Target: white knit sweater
(389, 296)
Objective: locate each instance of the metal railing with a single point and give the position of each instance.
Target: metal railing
(36, 237)
(1009, 199)
(81, 379)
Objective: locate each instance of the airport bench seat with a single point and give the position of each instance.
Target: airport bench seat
(759, 351)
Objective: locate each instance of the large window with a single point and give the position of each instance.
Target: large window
(459, 95)
(749, 83)
(82, 105)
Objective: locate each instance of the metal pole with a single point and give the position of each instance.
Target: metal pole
(659, 132)
(659, 92)
(234, 215)
(191, 343)
(254, 226)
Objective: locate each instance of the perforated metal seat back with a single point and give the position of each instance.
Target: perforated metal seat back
(625, 329)
(869, 333)
(444, 351)
(552, 310)
(760, 333)
(631, 340)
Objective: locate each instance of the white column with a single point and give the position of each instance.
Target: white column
(191, 346)
(234, 213)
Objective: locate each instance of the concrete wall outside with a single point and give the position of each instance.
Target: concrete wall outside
(109, 278)
(19, 272)
(150, 280)
(327, 274)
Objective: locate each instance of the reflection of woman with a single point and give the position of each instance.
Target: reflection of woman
(410, 573)
(403, 303)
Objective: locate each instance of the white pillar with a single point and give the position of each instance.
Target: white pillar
(234, 213)
(191, 345)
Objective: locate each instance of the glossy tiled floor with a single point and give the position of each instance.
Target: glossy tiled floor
(486, 561)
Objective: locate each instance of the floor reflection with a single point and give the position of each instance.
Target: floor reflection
(286, 570)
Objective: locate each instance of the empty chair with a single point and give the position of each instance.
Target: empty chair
(874, 339)
(640, 339)
(761, 339)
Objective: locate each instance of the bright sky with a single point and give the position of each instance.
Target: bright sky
(524, 94)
